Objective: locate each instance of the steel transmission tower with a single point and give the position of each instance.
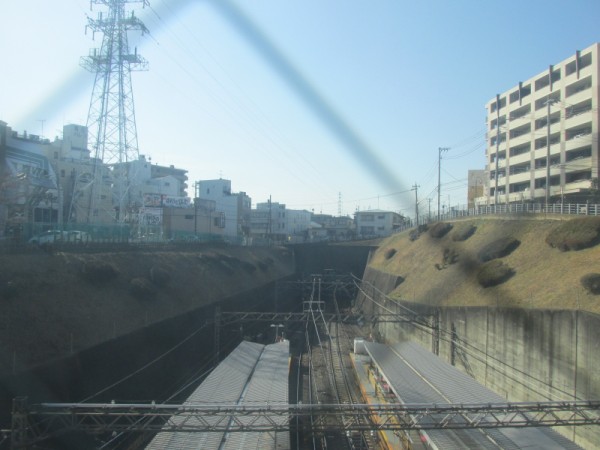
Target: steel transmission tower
(111, 117)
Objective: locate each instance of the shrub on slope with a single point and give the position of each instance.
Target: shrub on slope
(498, 249)
(575, 234)
(494, 273)
(439, 229)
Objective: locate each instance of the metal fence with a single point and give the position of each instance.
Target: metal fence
(580, 209)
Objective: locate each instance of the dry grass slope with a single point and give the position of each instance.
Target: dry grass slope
(543, 277)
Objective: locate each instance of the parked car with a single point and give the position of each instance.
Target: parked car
(78, 236)
(49, 237)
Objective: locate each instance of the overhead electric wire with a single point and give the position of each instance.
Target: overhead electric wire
(145, 366)
(469, 348)
(264, 128)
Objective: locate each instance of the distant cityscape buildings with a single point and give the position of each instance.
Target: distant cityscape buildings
(542, 146)
(47, 185)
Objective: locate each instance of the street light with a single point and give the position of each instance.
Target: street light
(277, 327)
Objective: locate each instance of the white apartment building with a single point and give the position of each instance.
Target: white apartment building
(377, 223)
(232, 209)
(273, 221)
(543, 133)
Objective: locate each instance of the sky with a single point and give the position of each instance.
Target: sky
(325, 105)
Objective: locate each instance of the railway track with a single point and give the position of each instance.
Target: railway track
(326, 377)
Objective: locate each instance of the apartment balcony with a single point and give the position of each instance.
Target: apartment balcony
(523, 157)
(554, 128)
(578, 164)
(555, 170)
(576, 186)
(538, 193)
(579, 119)
(541, 152)
(516, 197)
(578, 141)
(579, 96)
(519, 140)
(520, 177)
(584, 72)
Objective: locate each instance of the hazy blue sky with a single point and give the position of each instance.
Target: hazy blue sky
(301, 100)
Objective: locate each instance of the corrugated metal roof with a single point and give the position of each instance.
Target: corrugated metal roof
(252, 373)
(269, 384)
(418, 376)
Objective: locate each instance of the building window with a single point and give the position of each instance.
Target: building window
(542, 102)
(541, 182)
(501, 173)
(542, 142)
(578, 132)
(520, 149)
(501, 156)
(578, 86)
(519, 168)
(502, 139)
(520, 131)
(493, 106)
(188, 216)
(542, 82)
(579, 176)
(520, 112)
(571, 68)
(543, 122)
(518, 187)
(585, 60)
(493, 123)
(579, 153)
(579, 108)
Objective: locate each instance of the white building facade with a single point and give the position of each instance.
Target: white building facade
(377, 223)
(273, 222)
(232, 209)
(542, 139)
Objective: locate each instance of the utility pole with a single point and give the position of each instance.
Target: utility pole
(440, 150)
(269, 223)
(42, 122)
(429, 214)
(497, 149)
(196, 187)
(416, 188)
(548, 105)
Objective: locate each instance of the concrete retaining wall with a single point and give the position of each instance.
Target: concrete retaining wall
(524, 355)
